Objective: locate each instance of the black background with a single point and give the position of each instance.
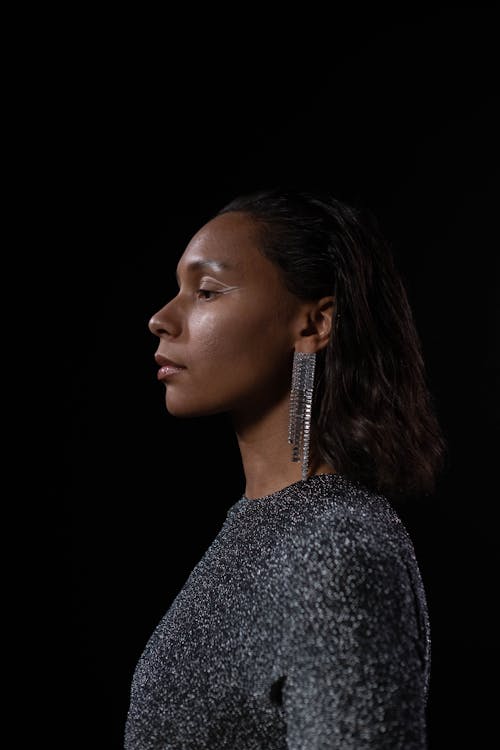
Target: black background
(150, 125)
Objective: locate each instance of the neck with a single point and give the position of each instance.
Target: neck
(266, 453)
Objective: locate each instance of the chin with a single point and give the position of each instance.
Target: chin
(182, 409)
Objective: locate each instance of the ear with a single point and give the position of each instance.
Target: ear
(316, 323)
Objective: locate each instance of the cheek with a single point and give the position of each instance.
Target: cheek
(234, 340)
(246, 355)
(210, 337)
(233, 356)
(217, 355)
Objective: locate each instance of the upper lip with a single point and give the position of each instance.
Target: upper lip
(164, 361)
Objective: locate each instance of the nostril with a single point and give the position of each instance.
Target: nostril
(156, 327)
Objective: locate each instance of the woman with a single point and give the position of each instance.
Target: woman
(304, 625)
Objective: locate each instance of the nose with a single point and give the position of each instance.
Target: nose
(156, 326)
(162, 323)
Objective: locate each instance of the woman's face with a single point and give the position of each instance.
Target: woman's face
(231, 328)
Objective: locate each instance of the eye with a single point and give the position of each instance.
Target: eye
(207, 294)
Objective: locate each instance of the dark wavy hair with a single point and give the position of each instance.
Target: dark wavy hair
(373, 416)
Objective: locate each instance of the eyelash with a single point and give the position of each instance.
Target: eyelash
(202, 292)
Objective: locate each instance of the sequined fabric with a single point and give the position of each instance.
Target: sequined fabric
(303, 627)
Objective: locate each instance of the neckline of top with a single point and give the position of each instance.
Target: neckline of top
(324, 479)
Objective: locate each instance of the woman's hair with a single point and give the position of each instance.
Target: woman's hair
(373, 418)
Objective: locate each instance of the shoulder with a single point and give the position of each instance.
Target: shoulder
(338, 521)
(341, 506)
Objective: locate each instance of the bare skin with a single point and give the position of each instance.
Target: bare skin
(233, 327)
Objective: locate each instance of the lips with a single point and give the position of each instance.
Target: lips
(165, 362)
(167, 367)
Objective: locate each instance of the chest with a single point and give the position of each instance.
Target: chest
(218, 654)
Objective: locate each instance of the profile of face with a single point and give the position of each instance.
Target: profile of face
(226, 340)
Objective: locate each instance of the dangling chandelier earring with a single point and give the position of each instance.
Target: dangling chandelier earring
(299, 423)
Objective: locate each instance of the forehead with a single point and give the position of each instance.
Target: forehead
(230, 240)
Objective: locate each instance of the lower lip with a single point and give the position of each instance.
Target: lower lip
(167, 371)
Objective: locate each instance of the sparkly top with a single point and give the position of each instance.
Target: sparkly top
(304, 626)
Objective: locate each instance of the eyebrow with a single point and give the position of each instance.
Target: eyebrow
(214, 265)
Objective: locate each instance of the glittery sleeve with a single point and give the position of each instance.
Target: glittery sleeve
(356, 678)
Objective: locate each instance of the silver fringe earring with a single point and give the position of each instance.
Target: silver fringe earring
(299, 423)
